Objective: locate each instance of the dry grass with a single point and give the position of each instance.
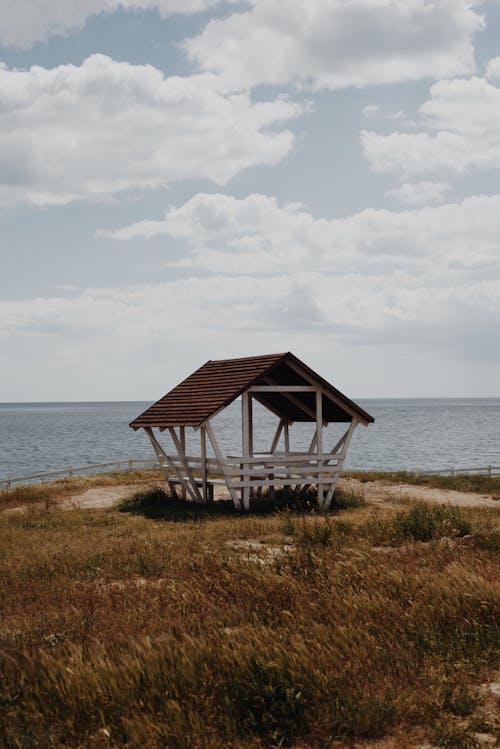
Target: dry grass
(47, 493)
(119, 630)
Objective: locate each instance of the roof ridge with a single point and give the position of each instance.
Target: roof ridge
(218, 382)
(247, 358)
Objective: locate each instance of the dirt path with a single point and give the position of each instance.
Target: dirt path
(378, 492)
(383, 492)
(102, 496)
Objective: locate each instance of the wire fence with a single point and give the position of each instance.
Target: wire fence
(474, 471)
(131, 464)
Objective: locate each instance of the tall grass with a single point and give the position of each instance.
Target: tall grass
(119, 630)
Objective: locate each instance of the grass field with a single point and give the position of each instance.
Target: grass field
(162, 625)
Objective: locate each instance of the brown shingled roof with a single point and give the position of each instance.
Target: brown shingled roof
(217, 383)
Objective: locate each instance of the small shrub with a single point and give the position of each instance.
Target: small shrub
(345, 499)
(459, 699)
(288, 523)
(487, 541)
(323, 532)
(267, 700)
(455, 737)
(150, 502)
(422, 522)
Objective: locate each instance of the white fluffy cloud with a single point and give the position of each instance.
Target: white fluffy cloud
(420, 193)
(24, 22)
(458, 133)
(225, 234)
(333, 43)
(105, 126)
(493, 69)
(400, 283)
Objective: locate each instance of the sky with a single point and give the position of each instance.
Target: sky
(184, 180)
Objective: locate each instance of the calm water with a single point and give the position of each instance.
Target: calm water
(434, 433)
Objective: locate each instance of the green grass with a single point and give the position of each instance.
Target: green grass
(143, 628)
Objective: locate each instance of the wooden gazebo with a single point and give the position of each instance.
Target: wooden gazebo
(285, 386)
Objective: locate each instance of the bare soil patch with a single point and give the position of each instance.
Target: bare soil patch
(102, 496)
(384, 492)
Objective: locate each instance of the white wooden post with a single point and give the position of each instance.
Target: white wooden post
(182, 433)
(286, 487)
(203, 445)
(319, 443)
(247, 440)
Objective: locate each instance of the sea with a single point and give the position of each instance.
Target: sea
(408, 434)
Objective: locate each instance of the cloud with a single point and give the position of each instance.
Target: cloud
(223, 234)
(95, 130)
(458, 133)
(354, 307)
(420, 193)
(24, 22)
(493, 69)
(332, 43)
(392, 286)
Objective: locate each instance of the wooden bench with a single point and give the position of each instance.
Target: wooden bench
(173, 483)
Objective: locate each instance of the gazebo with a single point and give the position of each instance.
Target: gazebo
(282, 384)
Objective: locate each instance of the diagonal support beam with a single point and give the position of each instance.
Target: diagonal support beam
(277, 435)
(162, 456)
(338, 402)
(222, 466)
(345, 446)
(293, 399)
(333, 453)
(195, 493)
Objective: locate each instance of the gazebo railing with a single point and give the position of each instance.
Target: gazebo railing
(263, 470)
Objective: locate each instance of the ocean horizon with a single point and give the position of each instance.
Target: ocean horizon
(408, 434)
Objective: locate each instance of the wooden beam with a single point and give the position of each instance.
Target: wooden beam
(246, 441)
(345, 445)
(312, 447)
(277, 435)
(290, 397)
(186, 466)
(314, 441)
(328, 394)
(282, 389)
(203, 448)
(220, 459)
(286, 487)
(319, 442)
(182, 432)
(161, 454)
